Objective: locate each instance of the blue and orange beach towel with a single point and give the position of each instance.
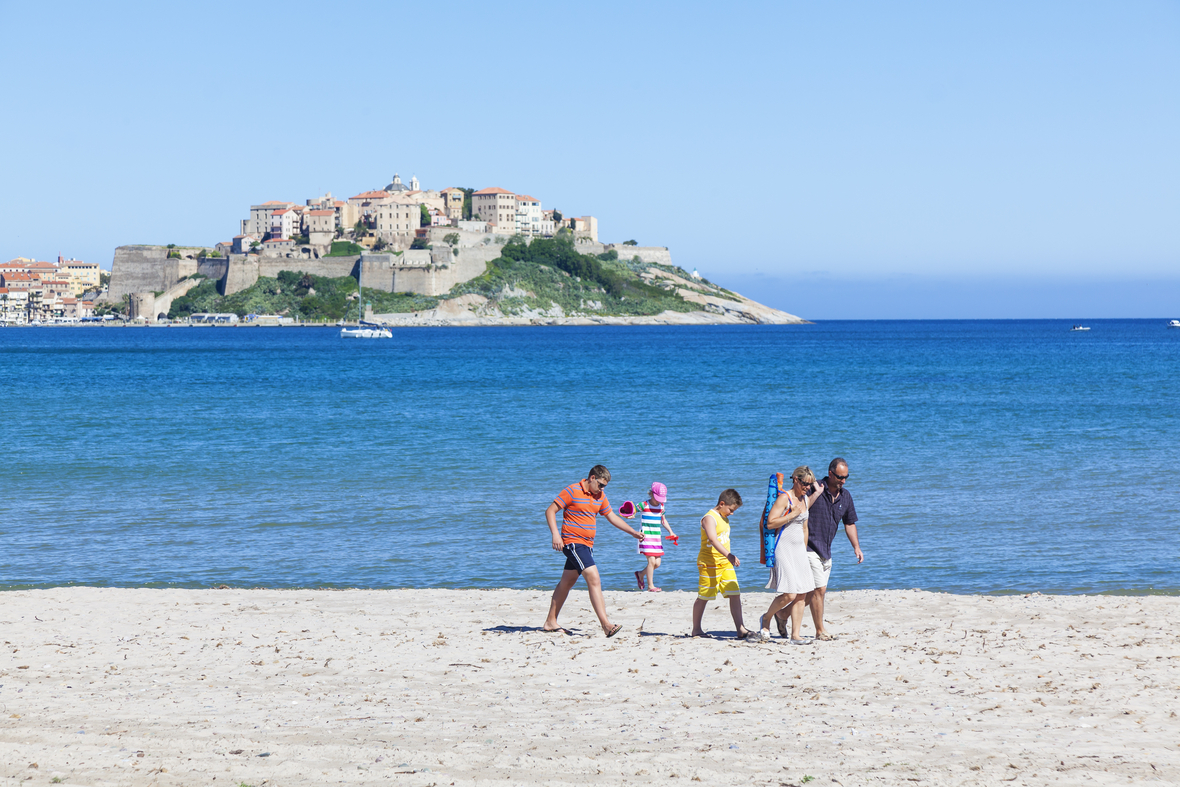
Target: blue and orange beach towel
(768, 539)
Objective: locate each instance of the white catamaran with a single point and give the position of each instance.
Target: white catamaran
(364, 330)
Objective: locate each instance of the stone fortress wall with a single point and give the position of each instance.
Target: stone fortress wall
(151, 279)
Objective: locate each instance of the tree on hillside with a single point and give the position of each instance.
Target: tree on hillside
(467, 203)
(425, 213)
(630, 243)
(451, 239)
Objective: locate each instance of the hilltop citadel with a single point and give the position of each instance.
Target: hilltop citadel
(402, 239)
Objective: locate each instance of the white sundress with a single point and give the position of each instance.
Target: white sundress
(792, 571)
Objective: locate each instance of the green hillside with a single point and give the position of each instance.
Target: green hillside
(535, 276)
(296, 294)
(546, 273)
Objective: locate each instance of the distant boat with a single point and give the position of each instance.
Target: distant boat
(364, 330)
(1079, 328)
(1174, 324)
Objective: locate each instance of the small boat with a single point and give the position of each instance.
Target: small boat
(364, 330)
(1079, 328)
(366, 333)
(1174, 324)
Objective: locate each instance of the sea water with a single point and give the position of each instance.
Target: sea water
(985, 456)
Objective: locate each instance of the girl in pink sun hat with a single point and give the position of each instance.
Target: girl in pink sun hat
(651, 515)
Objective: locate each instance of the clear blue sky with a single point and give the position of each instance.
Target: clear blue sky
(837, 160)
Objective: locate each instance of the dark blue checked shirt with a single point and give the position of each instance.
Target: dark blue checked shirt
(824, 518)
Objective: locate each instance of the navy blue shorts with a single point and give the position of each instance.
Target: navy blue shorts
(578, 557)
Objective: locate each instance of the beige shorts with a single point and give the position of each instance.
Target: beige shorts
(820, 569)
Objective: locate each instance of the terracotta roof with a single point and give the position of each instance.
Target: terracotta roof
(274, 202)
(279, 240)
(281, 212)
(321, 213)
(18, 276)
(3, 290)
(371, 195)
(526, 198)
(494, 190)
(452, 188)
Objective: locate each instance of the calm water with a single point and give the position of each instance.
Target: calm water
(993, 456)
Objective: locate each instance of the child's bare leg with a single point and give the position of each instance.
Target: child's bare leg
(568, 579)
(653, 563)
(797, 616)
(698, 613)
(594, 583)
(735, 609)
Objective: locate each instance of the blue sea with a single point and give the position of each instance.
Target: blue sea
(985, 456)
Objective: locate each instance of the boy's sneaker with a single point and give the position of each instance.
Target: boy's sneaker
(639, 579)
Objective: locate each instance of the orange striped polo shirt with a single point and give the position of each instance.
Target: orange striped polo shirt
(578, 512)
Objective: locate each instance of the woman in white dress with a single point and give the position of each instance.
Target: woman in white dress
(791, 576)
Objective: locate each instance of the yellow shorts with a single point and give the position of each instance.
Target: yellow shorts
(717, 580)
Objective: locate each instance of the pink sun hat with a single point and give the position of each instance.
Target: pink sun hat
(659, 492)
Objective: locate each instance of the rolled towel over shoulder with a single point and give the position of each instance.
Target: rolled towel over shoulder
(768, 539)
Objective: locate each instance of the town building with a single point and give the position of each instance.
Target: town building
(321, 226)
(259, 222)
(530, 219)
(367, 202)
(284, 223)
(19, 281)
(584, 227)
(453, 203)
(277, 247)
(14, 307)
(397, 218)
(82, 276)
(497, 207)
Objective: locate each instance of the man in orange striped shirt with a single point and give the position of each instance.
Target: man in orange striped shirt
(580, 504)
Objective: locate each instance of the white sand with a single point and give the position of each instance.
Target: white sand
(457, 687)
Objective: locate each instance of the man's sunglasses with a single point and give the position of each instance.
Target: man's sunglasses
(839, 477)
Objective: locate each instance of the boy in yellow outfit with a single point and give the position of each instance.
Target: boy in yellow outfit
(716, 564)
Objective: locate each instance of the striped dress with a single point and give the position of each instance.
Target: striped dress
(650, 517)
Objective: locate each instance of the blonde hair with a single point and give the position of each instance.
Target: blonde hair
(804, 474)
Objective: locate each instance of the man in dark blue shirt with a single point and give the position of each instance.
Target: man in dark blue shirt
(831, 508)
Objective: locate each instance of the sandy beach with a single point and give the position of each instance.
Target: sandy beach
(438, 687)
